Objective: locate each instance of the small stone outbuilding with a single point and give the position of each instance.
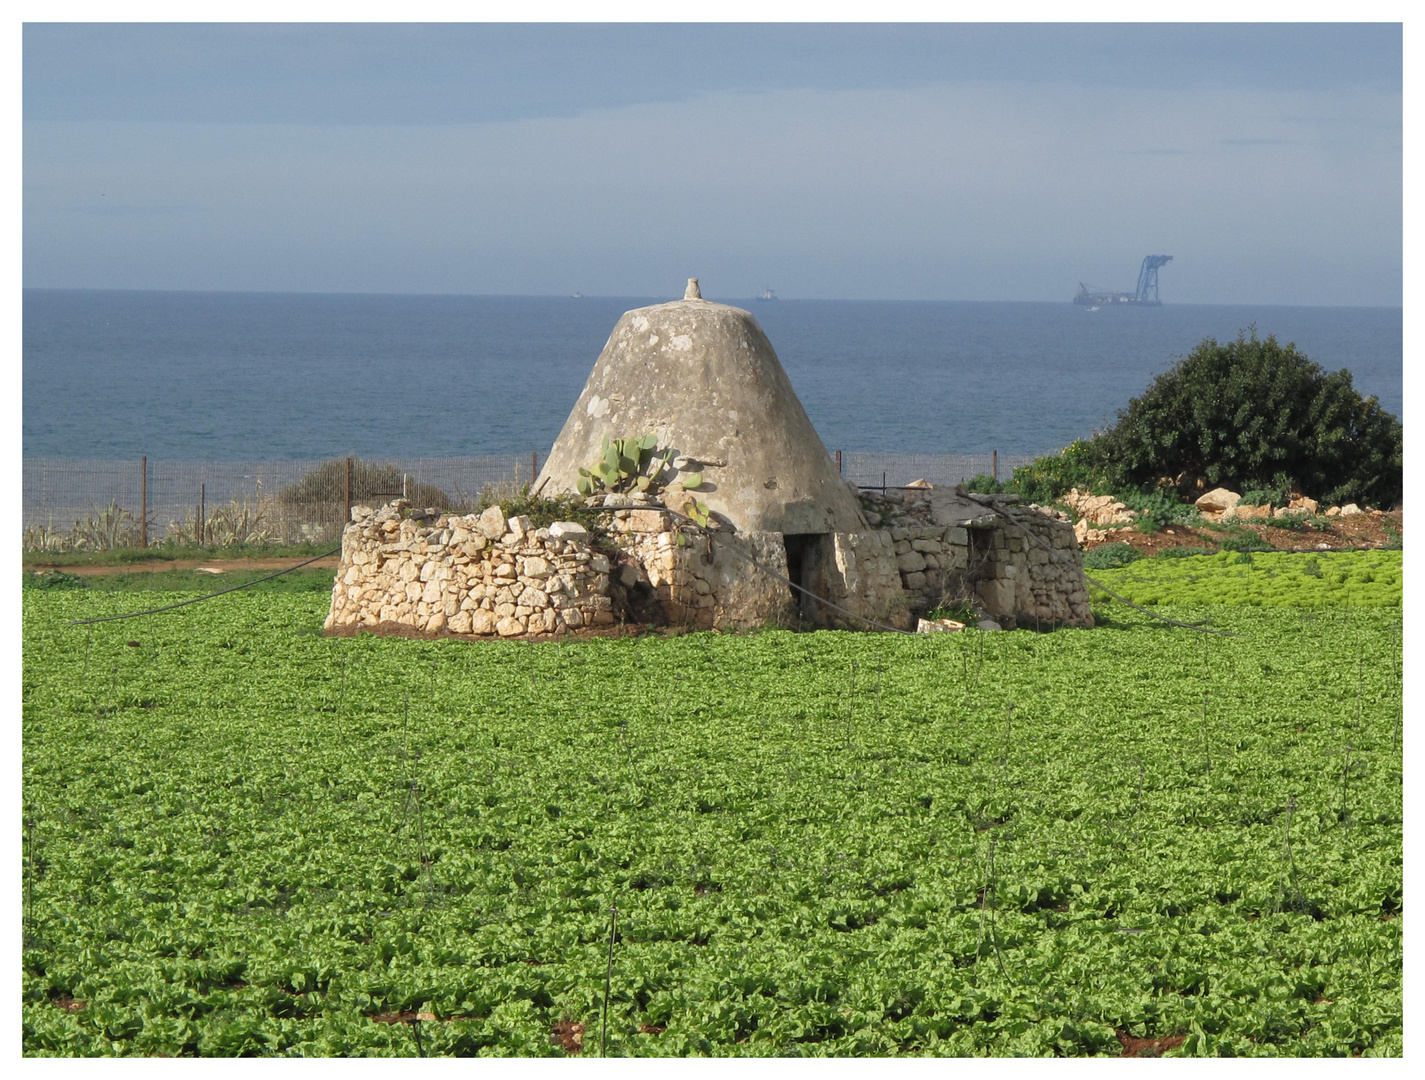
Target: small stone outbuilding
(742, 458)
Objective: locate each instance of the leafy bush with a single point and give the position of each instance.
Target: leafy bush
(1111, 556)
(1245, 540)
(544, 512)
(371, 481)
(1255, 414)
(1156, 509)
(1265, 497)
(983, 484)
(1043, 480)
(55, 579)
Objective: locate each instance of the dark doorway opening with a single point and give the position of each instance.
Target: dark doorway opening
(808, 556)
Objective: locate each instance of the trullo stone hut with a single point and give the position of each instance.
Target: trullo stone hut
(726, 442)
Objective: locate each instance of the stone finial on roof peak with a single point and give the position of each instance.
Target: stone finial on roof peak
(692, 292)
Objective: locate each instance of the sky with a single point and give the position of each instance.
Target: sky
(934, 161)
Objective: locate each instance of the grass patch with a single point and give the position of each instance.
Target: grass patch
(173, 552)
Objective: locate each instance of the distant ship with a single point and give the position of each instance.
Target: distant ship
(1146, 295)
(578, 296)
(767, 294)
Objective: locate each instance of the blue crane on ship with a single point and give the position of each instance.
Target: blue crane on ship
(1146, 295)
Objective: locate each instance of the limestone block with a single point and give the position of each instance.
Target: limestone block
(646, 521)
(924, 545)
(899, 533)
(914, 581)
(436, 622)
(910, 562)
(533, 598)
(1217, 500)
(509, 627)
(572, 617)
(568, 530)
(408, 571)
(535, 567)
(599, 564)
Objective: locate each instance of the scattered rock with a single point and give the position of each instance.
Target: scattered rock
(938, 626)
(1217, 501)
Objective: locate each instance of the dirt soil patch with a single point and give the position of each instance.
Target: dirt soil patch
(1359, 531)
(159, 565)
(1147, 1047)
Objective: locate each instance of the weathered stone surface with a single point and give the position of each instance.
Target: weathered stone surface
(646, 521)
(705, 380)
(1217, 500)
(571, 530)
(1244, 512)
(492, 523)
(910, 562)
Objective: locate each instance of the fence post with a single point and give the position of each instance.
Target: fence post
(533, 466)
(143, 502)
(838, 462)
(202, 513)
(994, 465)
(348, 494)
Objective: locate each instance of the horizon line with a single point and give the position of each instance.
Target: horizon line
(670, 297)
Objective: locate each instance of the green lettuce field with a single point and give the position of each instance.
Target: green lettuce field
(243, 838)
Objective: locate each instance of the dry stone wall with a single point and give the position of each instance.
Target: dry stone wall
(950, 549)
(481, 574)
(486, 575)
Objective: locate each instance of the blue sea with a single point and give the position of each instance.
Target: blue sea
(272, 376)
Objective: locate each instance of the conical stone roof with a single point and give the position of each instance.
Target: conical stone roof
(704, 379)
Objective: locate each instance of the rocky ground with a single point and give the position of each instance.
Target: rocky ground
(1372, 529)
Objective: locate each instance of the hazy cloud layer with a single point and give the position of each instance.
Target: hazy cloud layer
(1016, 187)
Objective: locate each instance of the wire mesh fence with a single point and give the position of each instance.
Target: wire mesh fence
(93, 504)
(876, 470)
(69, 503)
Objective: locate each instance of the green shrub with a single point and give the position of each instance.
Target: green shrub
(1111, 556)
(55, 579)
(983, 484)
(1244, 540)
(1185, 552)
(1265, 497)
(1156, 509)
(371, 482)
(1043, 480)
(544, 512)
(1255, 414)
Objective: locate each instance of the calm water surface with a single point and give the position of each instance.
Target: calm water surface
(259, 376)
